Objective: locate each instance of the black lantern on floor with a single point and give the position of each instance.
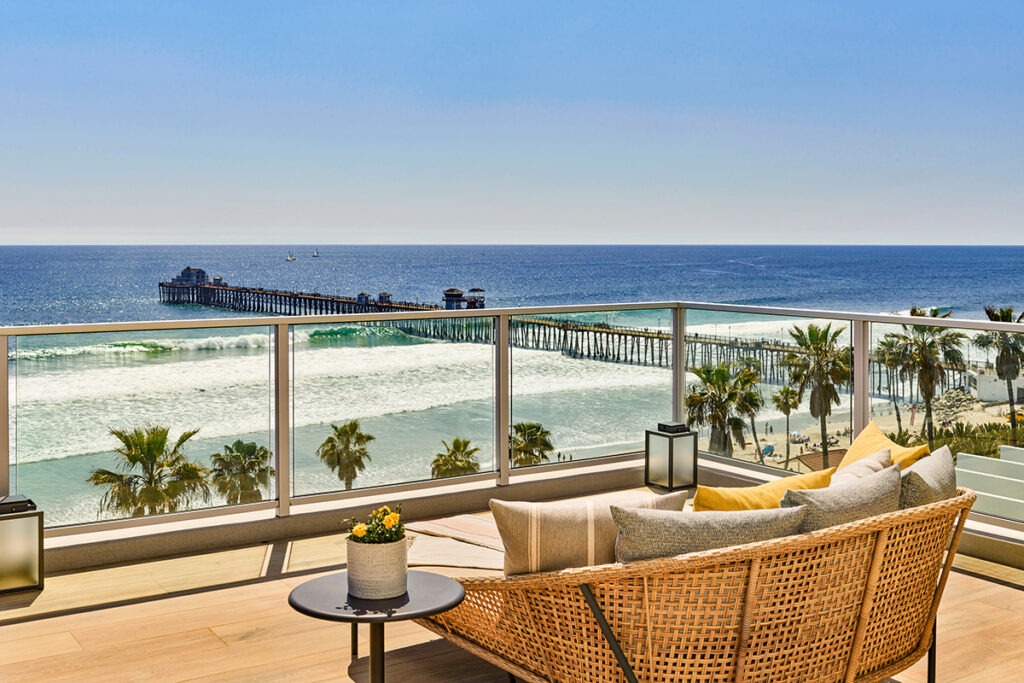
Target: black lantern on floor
(671, 457)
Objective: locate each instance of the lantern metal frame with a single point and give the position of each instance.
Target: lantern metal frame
(672, 440)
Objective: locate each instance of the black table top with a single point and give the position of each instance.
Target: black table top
(328, 598)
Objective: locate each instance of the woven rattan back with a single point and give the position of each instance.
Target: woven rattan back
(850, 603)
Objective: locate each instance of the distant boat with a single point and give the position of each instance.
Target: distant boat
(316, 253)
(291, 257)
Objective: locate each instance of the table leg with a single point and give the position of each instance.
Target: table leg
(376, 652)
(355, 640)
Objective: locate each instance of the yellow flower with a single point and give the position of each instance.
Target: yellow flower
(384, 509)
(391, 520)
(359, 530)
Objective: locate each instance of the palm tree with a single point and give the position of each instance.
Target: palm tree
(1009, 348)
(152, 478)
(458, 458)
(922, 350)
(531, 444)
(820, 367)
(887, 355)
(241, 471)
(750, 401)
(712, 403)
(344, 451)
(786, 399)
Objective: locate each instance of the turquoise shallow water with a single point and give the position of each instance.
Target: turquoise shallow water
(410, 393)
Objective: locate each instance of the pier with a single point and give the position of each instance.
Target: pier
(275, 302)
(192, 286)
(587, 340)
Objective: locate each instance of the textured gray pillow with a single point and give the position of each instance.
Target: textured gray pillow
(868, 496)
(929, 480)
(644, 534)
(876, 462)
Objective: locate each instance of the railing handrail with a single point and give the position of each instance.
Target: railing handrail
(268, 320)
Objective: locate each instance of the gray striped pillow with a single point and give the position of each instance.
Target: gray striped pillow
(540, 537)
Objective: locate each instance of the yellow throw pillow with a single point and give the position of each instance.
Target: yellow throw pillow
(761, 497)
(872, 439)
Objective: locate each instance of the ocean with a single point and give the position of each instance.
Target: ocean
(411, 393)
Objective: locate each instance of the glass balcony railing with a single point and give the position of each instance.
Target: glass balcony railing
(957, 387)
(586, 385)
(120, 424)
(102, 418)
(770, 389)
(378, 403)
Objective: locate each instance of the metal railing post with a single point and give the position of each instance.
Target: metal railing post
(282, 418)
(502, 397)
(861, 375)
(679, 364)
(5, 424)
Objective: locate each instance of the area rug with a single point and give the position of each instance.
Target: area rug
(435, 551)
(476, 529)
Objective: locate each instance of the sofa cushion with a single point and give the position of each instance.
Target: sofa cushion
(872, 439)
(542, 537)
(868, 496)
(876, 462)
(644, 534)
(929, 480)
(768, 495)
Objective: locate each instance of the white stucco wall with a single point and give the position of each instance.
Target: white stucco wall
(990, 388)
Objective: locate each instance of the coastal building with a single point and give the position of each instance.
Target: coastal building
(475, 298)
(362, 298)
(193, 277)
(384, 298)
(986, 386)
(453, 299)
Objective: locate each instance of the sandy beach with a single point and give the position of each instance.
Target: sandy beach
(883, 415)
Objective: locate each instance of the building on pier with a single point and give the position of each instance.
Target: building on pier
(191, 277)
(455, 299)
(475, 298)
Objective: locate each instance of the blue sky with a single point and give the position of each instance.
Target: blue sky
(511, 122)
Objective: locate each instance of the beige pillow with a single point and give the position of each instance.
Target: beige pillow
(876, 462)
(541, 537)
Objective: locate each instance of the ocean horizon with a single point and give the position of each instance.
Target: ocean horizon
(79, 284)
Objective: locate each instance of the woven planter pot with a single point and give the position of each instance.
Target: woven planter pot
(377, 571)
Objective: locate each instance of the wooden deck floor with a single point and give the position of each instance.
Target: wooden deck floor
(224, 616)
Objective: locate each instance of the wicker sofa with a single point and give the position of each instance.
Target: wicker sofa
(855, 602)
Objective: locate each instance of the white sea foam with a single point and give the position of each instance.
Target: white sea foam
(154, 346)
(774, 328)
(70, 412)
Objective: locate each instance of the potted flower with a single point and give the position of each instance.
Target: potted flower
(378, 555)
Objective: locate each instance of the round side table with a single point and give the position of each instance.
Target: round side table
(328, 598)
